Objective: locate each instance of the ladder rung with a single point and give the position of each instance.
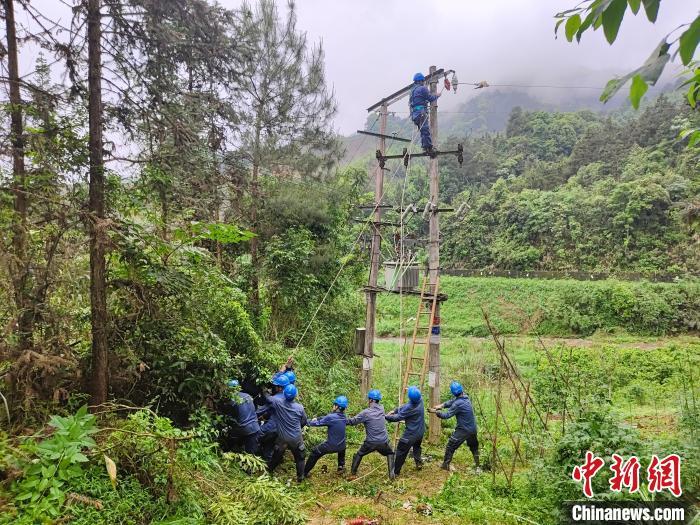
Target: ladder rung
(421, 358)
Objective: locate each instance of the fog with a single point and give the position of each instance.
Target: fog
(374, 47)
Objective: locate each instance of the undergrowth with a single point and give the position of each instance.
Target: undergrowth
(163, 475)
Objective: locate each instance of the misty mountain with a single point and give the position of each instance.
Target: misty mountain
(486, 112)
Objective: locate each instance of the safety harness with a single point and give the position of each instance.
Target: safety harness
(411, 104)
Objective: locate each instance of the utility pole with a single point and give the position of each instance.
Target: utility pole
(434, 426)
(433, 350)
(370, 319)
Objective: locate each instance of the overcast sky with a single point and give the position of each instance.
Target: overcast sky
(373, 47)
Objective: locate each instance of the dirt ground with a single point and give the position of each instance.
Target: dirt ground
(334, 501)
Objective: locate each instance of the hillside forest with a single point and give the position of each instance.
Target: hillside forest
(177, 210)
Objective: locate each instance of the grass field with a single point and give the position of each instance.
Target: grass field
(552, 307)
(643, 379)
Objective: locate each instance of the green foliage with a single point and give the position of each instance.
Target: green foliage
(182, 330)
(56, 462)
(572, 379)
(641, 308)
(600, 432)
(575, 192)
(647, 73)
(555, 307)
(264, 501)
(609, 14)
(218, 232)
(490, 501)
(165, 475)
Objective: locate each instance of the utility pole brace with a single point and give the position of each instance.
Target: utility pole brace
(406, 156)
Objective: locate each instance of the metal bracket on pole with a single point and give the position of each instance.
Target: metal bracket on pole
(383, 136)
(406, 156)
(381, 158)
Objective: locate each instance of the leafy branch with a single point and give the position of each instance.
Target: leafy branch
(609, 14)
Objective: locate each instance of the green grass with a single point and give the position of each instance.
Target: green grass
(644, 379)
(619, 364)
(552, 307)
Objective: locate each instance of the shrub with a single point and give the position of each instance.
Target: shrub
(49, 466)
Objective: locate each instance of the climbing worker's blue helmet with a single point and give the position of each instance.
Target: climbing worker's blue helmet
(280, 380)
(232, 383)
(374, 395)
(290, 392)
(418, 77)
(456, 388)
(291, 376)
(414, 394)
(341, 402)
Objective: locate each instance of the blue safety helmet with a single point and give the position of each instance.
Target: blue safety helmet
(418, 77)
(291, 376)
(341, 401)
(280, 380)
(232, 383)
(374, 395)
(290, 392)
(414, 394)
(456, 388)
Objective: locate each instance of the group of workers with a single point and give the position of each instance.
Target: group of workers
(284, 418)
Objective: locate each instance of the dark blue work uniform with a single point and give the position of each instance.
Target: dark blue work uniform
(241, 411)
(335, 442)
(268, 430)
(412, 437)
(418, 101)
(461, 408)
(290, 417)
(376, 437)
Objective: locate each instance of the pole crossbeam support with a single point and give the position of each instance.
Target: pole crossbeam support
(441, 297)
(398, 95)
(406, 156)
(376, 223)
(379, 135)
(373, 206)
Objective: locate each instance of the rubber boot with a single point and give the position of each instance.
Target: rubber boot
(390, 464)
(445, 466)
(355, 464)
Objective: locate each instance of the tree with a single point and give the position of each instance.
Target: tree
(286, 110)
(20, 268)
(180, 64)
(98, 224)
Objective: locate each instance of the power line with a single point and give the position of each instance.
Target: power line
(481, 85)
